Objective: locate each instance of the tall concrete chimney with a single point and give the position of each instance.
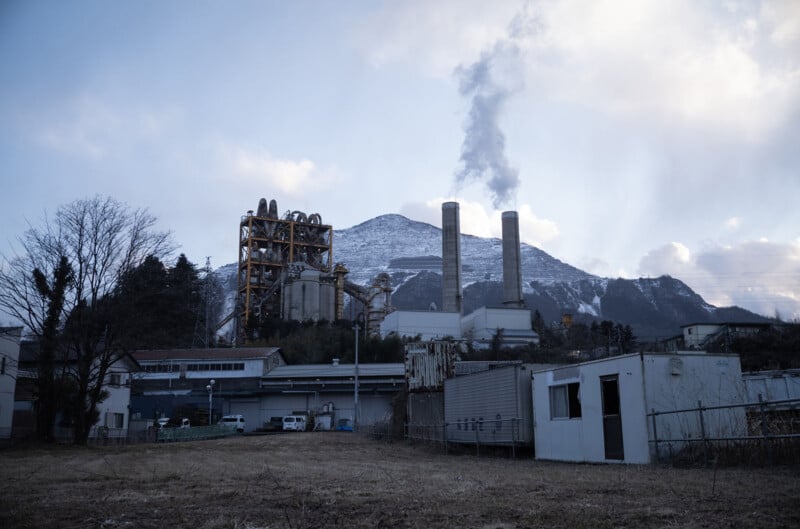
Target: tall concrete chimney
(512, 275)
(451, 258)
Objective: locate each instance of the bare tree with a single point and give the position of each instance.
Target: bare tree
(101, 239)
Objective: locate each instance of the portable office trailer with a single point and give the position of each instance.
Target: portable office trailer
(772, 385)
(490, 408)
(598, 411)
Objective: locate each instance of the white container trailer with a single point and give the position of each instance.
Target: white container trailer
(772, 385)
(490, 408)
(598, 411)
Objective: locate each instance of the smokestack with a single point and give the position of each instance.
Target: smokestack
(451, 258)
(512, 275)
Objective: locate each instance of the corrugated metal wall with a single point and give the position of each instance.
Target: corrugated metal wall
(425, 415)
(428, 364)
(491, 407)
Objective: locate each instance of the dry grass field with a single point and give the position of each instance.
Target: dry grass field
(317, 480)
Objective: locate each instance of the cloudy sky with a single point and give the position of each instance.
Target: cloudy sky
(635, 138)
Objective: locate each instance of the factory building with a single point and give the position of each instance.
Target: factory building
(481, 326)
(286, 271)
(428, 325)
(274, 251)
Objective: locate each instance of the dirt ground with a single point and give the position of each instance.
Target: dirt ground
(323, 480)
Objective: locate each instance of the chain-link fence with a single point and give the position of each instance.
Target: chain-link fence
(510, 433)
(764, 432)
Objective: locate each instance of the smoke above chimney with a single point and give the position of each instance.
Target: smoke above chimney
(483, 149)
(489, 83)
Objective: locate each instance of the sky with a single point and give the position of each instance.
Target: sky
(635, 138)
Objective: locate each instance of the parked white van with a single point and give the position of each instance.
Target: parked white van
(295, 423)
(233, 422)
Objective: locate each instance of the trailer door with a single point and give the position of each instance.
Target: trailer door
(612, 419)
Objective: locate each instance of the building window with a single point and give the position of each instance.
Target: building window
(565, 402)
(115, 420)
(115, 379)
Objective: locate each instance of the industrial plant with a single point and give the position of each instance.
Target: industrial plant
(481, 326)
(286, 270)
(632, 408)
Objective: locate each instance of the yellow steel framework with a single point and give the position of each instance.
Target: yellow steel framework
(267, 246)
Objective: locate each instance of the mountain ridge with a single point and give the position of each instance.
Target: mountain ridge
(410, 252)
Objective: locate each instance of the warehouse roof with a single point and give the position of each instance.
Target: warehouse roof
(335, 371)
(221, 353)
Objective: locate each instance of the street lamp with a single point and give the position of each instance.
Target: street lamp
(210, 389)
(355, 385)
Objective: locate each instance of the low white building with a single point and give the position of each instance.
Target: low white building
(113, 411)
(429, 325)
(699, 335)
(180, 380)
(481, 326)
(115, 408)
(328, 389)
(598, 411)
(9, 364)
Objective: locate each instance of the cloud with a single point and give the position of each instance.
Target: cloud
(434, 37)
(92, 128)
(733, 223)
(292, 177)
(758, 275)
(672, 257)
(724, 65)
(476, 220)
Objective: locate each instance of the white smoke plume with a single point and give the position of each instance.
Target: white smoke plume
(486, 82)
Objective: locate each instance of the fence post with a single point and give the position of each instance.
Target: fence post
(477, 438)
(514, 438)
(764, 428)
(703, 432)
(655, 433)
(444, 436)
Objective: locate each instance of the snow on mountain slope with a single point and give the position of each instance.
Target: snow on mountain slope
(387, 244)
(411, 252)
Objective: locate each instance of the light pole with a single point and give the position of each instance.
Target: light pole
(355, 397)
(210, 389)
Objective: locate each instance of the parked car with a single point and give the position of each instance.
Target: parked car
(185, 423)
(162, 422)
(234, 422)
(275, 424)
(344, 425)
(296, 423)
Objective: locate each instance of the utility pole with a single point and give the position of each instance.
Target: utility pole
(207, 337)
(355, 396)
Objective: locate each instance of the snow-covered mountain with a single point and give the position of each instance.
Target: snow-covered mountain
(403, 247)
(411, 253)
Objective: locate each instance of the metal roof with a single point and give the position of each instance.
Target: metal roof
(235, 353)
(336, 371)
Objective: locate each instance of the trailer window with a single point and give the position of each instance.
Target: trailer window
(565, 402)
